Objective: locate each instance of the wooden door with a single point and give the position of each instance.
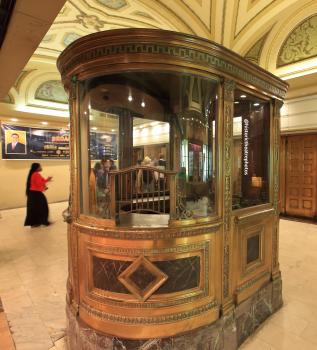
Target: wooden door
(301, 175)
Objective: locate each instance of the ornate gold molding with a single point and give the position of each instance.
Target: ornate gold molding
(158, 46)
(276, 171)
(155, 234)
(142, 293)
(156, 320)
(228, 93)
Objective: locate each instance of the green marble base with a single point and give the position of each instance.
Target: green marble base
(225, 334)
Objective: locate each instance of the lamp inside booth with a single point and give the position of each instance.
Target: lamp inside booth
(256, 181)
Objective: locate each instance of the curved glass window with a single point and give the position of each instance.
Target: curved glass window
(147, 147)
(251, 139)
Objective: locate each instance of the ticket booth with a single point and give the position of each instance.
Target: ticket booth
(173, 226)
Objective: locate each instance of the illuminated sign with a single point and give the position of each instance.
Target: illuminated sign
(245, 142)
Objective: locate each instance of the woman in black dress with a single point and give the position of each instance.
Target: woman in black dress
(37, 207)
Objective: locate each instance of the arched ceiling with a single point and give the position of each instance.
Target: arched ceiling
(279, 35)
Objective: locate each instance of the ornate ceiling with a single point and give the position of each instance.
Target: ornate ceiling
(279, 35)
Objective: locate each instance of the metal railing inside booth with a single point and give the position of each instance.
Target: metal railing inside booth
(143, 190)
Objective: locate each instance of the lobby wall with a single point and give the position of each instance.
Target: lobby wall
(13, 174)
(299, 114)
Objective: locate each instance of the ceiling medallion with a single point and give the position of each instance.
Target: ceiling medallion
(142, 278)
(69, 38)
(113, 4)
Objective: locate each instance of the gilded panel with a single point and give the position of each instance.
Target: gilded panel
(182, 281)
(251, 275)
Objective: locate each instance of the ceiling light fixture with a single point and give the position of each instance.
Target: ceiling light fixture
(44, 123)
(130, 98)
(143, 104)
(14, 119)
(243, 96)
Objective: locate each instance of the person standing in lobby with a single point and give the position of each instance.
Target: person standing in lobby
(37, 206)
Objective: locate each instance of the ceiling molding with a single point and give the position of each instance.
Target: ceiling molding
(278, 36)
(254, 53)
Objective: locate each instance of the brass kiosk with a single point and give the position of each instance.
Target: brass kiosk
(173, 226)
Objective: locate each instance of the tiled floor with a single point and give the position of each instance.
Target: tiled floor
(33, 269)
(294, 327)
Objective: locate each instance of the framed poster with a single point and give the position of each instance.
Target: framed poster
(21, 142)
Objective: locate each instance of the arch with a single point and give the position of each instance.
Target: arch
(52, 91)
(300, 44)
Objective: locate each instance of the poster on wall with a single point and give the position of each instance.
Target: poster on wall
(21, 142)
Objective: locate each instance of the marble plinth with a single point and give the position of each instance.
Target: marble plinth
(225, 334)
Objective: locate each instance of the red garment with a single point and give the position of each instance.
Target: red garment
(37, 182)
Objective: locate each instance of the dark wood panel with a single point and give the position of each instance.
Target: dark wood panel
(301, 175)
(282, 196)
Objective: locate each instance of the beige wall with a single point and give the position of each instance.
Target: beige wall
(299, 114)
(13, 174)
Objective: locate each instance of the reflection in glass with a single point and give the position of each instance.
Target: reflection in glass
(251, 133)
(147, 147)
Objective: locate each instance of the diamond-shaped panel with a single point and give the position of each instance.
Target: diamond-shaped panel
(142, 278)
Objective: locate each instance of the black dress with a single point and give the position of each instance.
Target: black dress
(37, 209)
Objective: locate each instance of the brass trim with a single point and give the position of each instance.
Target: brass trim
(146, 233)
(253, 265)
(254, 215)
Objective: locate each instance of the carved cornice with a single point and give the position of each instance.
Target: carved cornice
(159, 47)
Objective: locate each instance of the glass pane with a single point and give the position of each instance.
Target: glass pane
(147, 139)
(251, 134)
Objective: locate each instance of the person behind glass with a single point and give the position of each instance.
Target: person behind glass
(103, 186)
(138, 177)
(37, 207)
(147, 176)
(112, 165)
(160, 177)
